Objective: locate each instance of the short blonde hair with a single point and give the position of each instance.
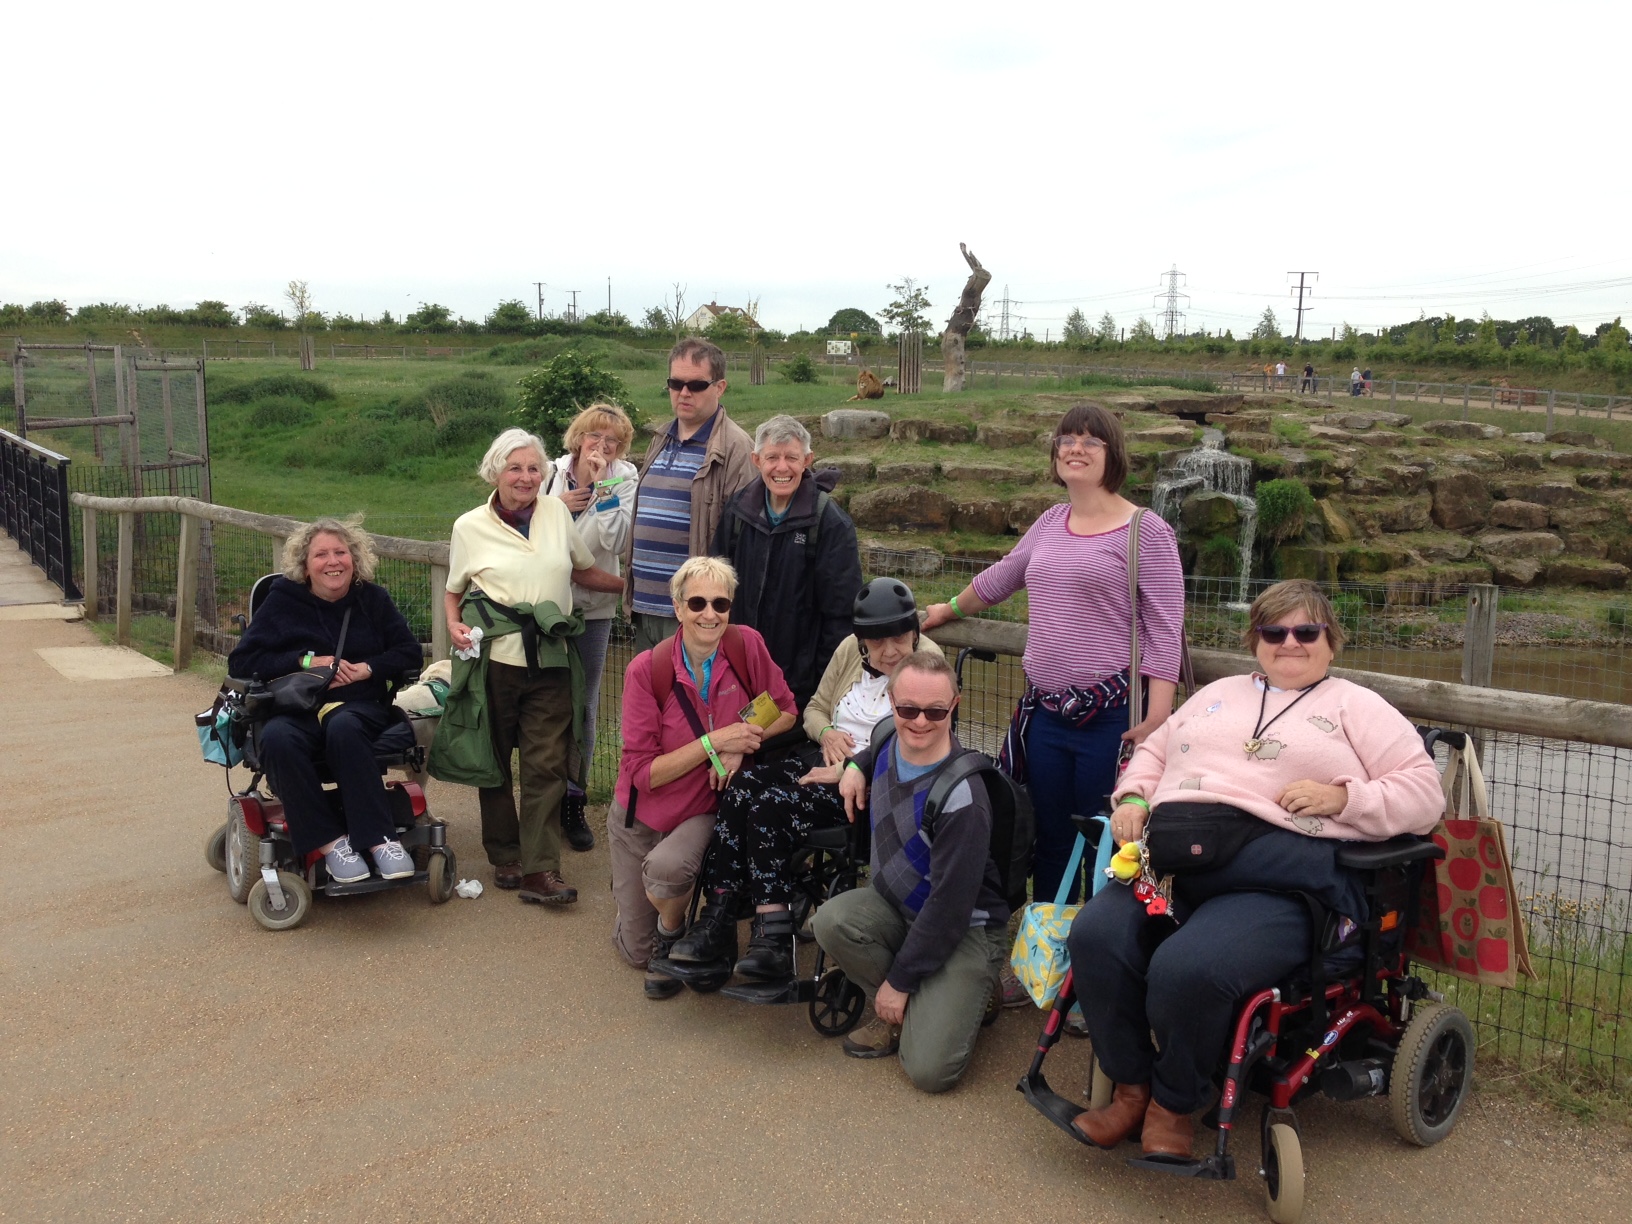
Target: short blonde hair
(717, 568)
(1293, 595)
(608, 417)
(505, 445)
(348, 530)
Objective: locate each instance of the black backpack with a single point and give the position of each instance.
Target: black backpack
(1014, 828)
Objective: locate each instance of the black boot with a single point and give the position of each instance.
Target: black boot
(573, 824)
(713, 937)
(770, 949)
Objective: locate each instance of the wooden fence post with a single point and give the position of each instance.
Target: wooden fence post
(93, 563)
(1479, 642)
(439, 619)
(1393, 386)
(1550, 396)
(127, 565)
(186, 591)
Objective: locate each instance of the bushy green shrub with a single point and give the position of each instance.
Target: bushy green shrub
(299, 386)
(801, 370)
(552, 396)
(1219, 557)
(277, 411)
(1283, 509)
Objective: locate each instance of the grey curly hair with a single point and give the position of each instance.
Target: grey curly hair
(349, 529)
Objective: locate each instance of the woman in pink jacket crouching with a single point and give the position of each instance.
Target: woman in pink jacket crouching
(684, 741)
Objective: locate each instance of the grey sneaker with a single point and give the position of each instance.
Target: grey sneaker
(344, 865)
(393, 862)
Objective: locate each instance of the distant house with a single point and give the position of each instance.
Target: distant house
(701, 319)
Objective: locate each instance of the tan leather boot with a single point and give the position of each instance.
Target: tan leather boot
(1109, 1126)
(1167, 1133)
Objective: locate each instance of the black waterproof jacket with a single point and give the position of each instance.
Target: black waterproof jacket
(799, 603)
(293, 621)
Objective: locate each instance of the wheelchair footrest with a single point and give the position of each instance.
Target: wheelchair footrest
(372, 884)
(691, 971)
(1056, 1108)
(796, 990)
(1209, 1168)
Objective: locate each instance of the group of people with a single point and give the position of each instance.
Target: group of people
(765, 667)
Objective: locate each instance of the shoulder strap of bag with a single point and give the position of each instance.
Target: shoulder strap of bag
(1072, 865)
(1136, 691)
(736, 654)
(340, 646)
(815, 533)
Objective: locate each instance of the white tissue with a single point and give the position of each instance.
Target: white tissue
(475, 648)
(468, 888)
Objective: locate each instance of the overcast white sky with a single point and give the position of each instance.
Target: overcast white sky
(1420, 157)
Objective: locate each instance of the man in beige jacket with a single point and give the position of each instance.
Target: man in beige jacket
(691, 471)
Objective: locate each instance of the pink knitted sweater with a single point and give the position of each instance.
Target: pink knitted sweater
(1339, 735)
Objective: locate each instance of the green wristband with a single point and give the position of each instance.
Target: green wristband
(1133, 799)
(857, 768)
(306, 662)
(719, 765)
(956, 611)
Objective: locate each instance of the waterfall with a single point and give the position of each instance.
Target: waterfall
(1212, 469)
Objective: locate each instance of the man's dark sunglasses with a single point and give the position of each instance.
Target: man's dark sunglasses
(1276, 634)
(695, 385)
(697, 603)
(935, 714)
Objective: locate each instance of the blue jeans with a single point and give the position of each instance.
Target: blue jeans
(591, 646)
(1071, 773)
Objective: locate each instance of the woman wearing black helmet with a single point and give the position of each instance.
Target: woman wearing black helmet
(762, 814)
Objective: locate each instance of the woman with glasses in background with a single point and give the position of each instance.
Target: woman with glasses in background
(684, 741)
(1071, 721)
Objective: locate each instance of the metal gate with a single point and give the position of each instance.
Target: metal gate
(34, 507)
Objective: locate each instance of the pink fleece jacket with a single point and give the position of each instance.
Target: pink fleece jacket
(649, 733)
(1339, 735)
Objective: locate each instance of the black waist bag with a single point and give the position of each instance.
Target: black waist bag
(1189, 837)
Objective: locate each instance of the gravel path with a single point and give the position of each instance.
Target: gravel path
(167, 1059)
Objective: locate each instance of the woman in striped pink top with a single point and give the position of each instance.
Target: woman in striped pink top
(1072, 719)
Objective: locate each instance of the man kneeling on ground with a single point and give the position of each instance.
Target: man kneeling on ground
(929, 935)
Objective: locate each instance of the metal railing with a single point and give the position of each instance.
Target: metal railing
(34, 507)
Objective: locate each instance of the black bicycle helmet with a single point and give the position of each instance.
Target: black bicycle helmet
(884, 608)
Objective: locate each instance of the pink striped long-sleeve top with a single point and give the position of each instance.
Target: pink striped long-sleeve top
(1078, 590)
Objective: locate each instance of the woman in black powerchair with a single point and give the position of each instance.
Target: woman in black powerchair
(769, 807)
(1243, 800)
(328, 571)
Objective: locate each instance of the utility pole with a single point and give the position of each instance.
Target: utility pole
(539, 285)
(1172, 316)
(609, 299)
(572, 311)
(1300, 291)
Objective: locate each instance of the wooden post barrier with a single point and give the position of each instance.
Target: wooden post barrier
(1479, 642)
(186, 591)
(909, 378)
(93, 563)
(126, 572)
(439, 616)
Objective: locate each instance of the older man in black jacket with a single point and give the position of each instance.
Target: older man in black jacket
(795, 553)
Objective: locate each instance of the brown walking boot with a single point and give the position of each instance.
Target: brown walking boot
(875, 1039)
(1168, 1133)
(507, 875)
(1105, 1128)
(547, 888)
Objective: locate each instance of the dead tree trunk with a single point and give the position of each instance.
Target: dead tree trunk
(962, 320)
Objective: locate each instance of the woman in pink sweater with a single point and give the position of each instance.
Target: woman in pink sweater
(684, 741)
(1242, 797)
